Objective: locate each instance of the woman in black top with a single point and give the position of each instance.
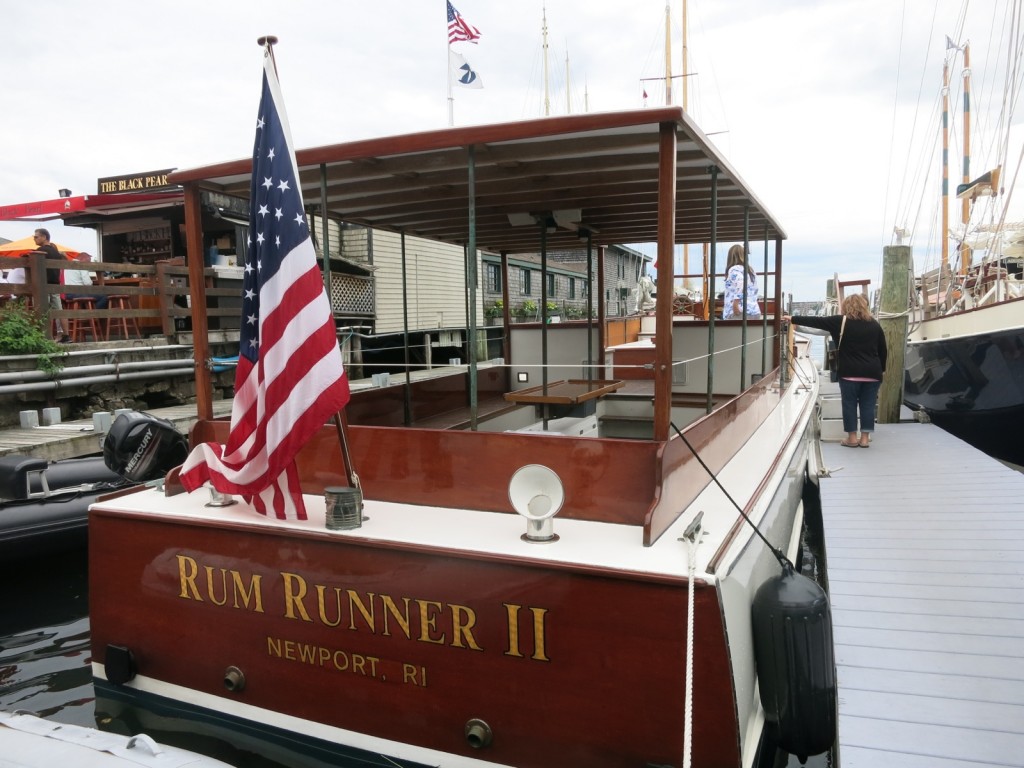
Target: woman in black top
(861, 356)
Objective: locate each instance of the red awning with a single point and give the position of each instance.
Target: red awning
(60, 207)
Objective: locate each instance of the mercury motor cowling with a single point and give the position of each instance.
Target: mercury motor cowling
(142, 447)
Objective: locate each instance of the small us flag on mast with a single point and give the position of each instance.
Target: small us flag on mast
(290, 379)
(459, 29)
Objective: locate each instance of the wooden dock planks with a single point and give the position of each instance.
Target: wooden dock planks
(924, 538)
(72, 439)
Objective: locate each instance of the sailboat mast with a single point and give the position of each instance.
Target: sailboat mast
(945, 164)
(684, 69)
(568, 100)
(544, 37)
(686, 94)
(668, 55)
(965, 211)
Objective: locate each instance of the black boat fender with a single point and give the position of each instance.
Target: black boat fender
(792, 626)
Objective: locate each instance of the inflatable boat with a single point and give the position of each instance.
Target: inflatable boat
(44, 505)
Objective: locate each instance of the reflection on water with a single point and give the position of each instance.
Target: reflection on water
(44, 639)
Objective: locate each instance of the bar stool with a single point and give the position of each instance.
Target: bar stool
(119, 302)
(78, 327)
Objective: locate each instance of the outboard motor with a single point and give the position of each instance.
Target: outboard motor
(796, 670)
(141, 447)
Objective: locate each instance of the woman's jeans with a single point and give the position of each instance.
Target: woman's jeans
(862, 395)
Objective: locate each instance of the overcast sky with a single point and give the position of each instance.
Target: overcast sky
(826, 108)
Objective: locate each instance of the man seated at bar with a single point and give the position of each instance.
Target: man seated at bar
(13, 276)
(75, 279)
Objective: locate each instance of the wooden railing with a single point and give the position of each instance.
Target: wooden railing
(158, 294)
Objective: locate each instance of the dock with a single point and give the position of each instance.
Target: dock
(924, 539)
(78, 437)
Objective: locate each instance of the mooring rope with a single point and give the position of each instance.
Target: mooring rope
(690, 535)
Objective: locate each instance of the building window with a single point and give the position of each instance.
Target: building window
(572, 287)
(494, 278)
(524, 286)
(551, 286)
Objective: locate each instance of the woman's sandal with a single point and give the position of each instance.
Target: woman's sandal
(849, 445)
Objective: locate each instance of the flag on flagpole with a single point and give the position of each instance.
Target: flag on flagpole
(290, 379)
(463, 74)
(459, 29)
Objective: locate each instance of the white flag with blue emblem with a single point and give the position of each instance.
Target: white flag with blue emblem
(462, 73)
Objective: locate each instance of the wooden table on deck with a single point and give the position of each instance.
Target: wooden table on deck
(571, 392)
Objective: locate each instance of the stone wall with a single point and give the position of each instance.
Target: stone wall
(108, 376)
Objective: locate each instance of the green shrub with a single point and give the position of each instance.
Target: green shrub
(527, 309)
(495, 310)
(23, 332)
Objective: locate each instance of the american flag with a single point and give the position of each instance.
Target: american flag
(458, 29)
(290, 378)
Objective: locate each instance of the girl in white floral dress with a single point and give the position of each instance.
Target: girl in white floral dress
(737, 264)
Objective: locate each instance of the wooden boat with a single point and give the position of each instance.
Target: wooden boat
(446, 629)
(964, 345)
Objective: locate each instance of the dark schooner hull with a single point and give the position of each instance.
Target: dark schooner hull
(972, 384)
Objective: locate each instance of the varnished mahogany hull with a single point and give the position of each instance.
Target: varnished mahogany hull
(585, 668)
(570, 662)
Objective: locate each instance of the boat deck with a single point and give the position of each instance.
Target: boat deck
(924, 538)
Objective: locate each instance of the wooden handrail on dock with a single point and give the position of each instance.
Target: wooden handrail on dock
(158, 293)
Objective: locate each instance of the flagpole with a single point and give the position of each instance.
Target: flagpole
(459, 30)
(271, 424)
(448, 80)
(267, 42)
(451, 96)
(965, 209)
(353, 478)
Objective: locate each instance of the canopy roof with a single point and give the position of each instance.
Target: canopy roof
(100, 205)
(596, 171)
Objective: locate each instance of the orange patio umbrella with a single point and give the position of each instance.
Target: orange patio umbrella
(27, 245)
